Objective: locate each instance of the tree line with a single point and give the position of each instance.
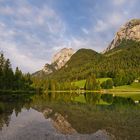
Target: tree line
(53, 85)
(10, 80)
(91, 84)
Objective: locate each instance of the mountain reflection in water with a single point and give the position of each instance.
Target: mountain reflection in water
(28, 117)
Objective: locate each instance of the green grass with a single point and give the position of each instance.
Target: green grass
(81, 83)
(134, 87)
(129, 91)
(103, 79)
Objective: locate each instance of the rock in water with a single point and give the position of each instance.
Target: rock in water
(130, 31)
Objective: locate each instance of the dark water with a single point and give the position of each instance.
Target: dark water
(23, 116)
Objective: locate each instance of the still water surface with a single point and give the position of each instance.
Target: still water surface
(28, 117)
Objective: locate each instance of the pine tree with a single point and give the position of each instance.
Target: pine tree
(2, 61)
(8, 75)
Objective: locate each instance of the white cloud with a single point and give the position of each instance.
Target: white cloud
(110, 21)
(101, 26)
(35, 32)
(22, 41)
(24, 61)
(115, 19)
(6, 10)
(85, 30)
(119, 2)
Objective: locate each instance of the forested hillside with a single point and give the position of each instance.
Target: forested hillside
(81, 65)
(122, 64)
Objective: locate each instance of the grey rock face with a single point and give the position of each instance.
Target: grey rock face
(58, 61)
(62, 57)
(130, 31)
(47, 69)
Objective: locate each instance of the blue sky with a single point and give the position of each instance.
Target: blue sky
(31, 31)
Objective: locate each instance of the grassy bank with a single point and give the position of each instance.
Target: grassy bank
(134, 87)
(81, 83)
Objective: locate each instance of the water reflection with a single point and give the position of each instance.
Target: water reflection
(97, 98)
(107, 98)
(10, 104)
(24, 105)
(88, 98)
(92, 98)
(29, 125)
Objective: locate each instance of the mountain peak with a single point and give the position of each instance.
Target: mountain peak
(62, 57)
(129, 31)
(58, 61)
(133, 22)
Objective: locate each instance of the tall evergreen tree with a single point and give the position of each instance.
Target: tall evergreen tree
(8, 75)
(9, 79)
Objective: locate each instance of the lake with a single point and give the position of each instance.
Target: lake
(59, 115)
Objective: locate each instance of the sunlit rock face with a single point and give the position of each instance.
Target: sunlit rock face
(130, 31)
(47, 69)
(58, 61)
(62, 57)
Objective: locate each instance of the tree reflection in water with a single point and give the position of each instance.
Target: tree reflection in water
(12, 103)
(15, 102)
(92, 98)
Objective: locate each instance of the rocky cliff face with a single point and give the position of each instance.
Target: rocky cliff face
(62, 57)
(130, 31)
(58, 61)
(48, 68)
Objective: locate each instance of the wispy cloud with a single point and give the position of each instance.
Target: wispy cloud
(31, 31)
(119, 2)
(28, 38)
